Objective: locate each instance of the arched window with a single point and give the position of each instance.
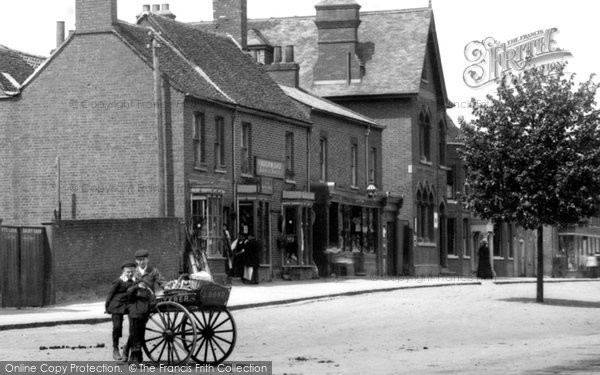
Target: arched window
(424, 136)
(425, 212)
(442, 143)
(430, 213)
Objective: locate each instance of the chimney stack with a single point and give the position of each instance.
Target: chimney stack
(337, 23)
(285, 73)
(60, 33)
(231, 17)
(93, 16)
(155, 8)
(165, 12)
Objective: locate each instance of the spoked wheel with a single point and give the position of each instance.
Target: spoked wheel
(216, 336)
(169, 335)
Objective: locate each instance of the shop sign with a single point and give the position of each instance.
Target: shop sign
(269, 168)
(266, 185)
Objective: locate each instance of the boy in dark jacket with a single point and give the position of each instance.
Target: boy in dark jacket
(141, 298)
(117, 304)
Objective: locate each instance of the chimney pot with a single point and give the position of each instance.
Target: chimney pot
(289, 54)
(277, 54)
(155, 7)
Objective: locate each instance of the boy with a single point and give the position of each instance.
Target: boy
(117, 302)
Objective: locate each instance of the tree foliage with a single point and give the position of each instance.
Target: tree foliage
(533, 150)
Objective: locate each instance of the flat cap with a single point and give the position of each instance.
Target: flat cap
(128, 264)
(141, 253)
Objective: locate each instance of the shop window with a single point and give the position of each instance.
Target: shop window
(359, 229)
(297, 221)
(207, 219)
(199, 139)
(254, 220)
(246, 148)
(334, 225)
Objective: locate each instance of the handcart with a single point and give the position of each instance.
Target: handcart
(192, 324)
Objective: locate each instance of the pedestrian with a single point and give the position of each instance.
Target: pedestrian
(239, 256)
(141, 300)
(141, 297)
(484, 267)
(227, 251)
(117, 304)
(252, 260)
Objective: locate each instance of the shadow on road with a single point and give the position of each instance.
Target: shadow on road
(557, 302)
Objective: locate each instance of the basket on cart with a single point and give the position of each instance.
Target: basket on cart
(207, 294)
(191, 323)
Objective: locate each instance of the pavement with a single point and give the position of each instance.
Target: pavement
(252, 296)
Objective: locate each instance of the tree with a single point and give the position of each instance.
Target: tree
(533, 151)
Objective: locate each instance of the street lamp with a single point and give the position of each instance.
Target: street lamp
(371, 190)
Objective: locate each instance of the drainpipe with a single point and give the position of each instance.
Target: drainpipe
(367, 156)
(159, 129)
(308, 138)
(233, 173)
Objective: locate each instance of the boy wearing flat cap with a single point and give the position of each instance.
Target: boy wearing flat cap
(141, 295)
(117, 303)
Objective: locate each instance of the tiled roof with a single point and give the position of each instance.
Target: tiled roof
(210, 66)
(392, 45)
(326, 105)
(14, 66)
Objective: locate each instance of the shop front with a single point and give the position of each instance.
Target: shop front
(347, 233)
(295, 238)
(254, 217)
(576, 255)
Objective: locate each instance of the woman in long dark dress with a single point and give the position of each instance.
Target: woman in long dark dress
(484, 268)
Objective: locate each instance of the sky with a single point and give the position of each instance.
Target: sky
(29, 25)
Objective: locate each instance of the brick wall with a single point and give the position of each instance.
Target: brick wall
(92, 106)
(89, 253)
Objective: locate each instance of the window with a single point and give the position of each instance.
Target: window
(465, 238)
(207, 219)
(359, 228)
(354, 162)
(323, 158)
(246, 152)
(451, 228)
(199, 139)
(425, 213)
(373, 165)
(289, 155)
(424, 137)
(219, 142)
(442, 143)
(450, 183)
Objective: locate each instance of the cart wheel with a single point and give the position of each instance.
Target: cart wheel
(216, 336)
(169, 334)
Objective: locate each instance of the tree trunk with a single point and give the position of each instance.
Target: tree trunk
(540, 264)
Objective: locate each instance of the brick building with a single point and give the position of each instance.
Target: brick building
(127, 123)
(349, 218)
(384, 65)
